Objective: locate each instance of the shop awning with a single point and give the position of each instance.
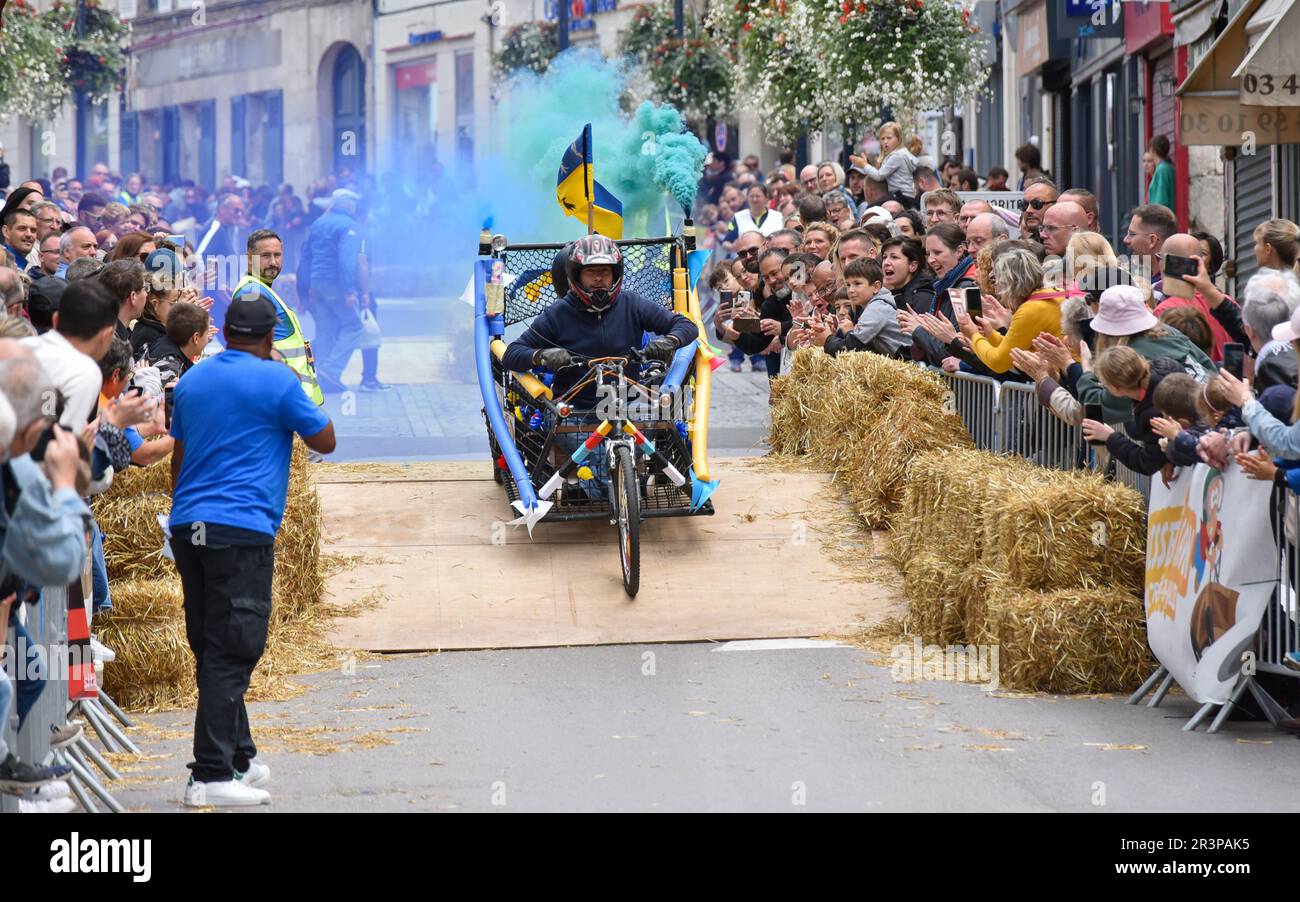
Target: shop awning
(1270, 73)
(1217, 108)
(1192, 24)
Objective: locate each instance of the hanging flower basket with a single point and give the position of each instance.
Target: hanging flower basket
(691, 73)
(803, 63)
(531, 45)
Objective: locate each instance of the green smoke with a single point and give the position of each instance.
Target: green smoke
(639, 159)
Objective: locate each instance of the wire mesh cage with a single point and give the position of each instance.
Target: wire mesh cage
(647, 266)
(543, 441)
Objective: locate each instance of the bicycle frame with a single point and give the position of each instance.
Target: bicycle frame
(628, 432)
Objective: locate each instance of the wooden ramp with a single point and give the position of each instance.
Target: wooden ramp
(430, 541)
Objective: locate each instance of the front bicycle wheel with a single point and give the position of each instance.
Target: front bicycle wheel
(628, 515)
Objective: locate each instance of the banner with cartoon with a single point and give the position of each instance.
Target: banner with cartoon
(1212, 564)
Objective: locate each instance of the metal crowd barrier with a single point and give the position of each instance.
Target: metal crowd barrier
(1278, 634)
(47, 623)
(1028, 429)
(1007, 418)
(975, 400)
(1280, 631)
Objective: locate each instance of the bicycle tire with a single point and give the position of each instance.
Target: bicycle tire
(627, 516)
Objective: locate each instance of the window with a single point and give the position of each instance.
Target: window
(415, 120)
(465, 106)
(92, 134)
(257, 137)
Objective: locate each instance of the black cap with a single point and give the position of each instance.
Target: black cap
(49, 289)
(252, 316)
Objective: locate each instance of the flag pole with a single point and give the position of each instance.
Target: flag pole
(587, 176)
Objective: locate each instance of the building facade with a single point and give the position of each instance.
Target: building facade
(1240, 102)
(268, 90)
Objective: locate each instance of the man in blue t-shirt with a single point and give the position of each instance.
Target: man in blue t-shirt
(234, 418)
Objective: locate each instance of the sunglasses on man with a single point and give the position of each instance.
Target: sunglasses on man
(1035, 204)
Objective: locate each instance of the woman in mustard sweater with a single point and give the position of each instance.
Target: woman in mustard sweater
(1018, 279)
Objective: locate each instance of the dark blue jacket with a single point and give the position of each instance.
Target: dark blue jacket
(329, 256)
(566, 324)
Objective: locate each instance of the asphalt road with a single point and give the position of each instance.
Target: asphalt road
(703, 727)
(693, 727)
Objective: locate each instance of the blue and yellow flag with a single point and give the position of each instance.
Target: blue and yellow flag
(577, 190)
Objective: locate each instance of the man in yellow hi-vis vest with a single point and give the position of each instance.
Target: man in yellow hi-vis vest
(265, 260)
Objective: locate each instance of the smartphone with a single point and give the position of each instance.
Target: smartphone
(1093, 412)
(38, 453)
(135, 390)
(1234, 358)
(1178, 267)
(1085, 331)
(974, 302)
(746, 324)
(726, 300)
(744, 299)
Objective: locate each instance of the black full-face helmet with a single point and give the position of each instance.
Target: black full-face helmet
(595, 250)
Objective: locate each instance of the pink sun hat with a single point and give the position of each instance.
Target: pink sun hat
(1122, 311)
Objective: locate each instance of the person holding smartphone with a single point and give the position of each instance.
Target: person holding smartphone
(1183, 283)
(1127, 374)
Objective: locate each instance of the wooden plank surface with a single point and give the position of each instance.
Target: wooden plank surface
(453, 575)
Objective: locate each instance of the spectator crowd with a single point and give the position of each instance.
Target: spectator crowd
(1132, 337)
(116, 291)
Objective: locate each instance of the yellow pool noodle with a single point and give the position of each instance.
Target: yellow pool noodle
(531, 384)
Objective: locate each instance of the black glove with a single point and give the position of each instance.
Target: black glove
(661, 349)
(553, 358)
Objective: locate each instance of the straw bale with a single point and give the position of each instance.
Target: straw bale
(945, 500)
(297, 548)
(940, 598)
(794, 395)
(872, 461)
(1067, 530)
(154, 666)
(863, 417)
(132, 537)
(155, 669)
(146, 629)
(1075, 640)
(155, 479)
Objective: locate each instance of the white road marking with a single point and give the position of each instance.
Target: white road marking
(777, 644)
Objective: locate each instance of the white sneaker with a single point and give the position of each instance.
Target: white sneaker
(256, 775)
(52, 791)
(101, 652)
(225, 794)
(49, 806)
(65, 735)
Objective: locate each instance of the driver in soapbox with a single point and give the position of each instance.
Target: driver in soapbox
(595, 318)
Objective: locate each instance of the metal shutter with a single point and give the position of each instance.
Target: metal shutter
(988, 124)
(1252, 203)
(171, 144)
(1288, 180)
